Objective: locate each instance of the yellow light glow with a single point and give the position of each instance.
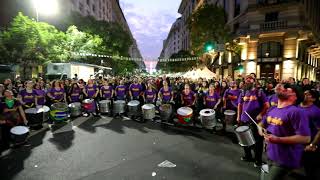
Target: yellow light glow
(277, 67)
(251, 67)
(46, 7)
(229, 57)
(220, 58)
(244, 52)
(252, 56)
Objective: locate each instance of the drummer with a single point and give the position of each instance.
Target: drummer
(273, 100)
(188, 97)
(120, 91)
(135, 90)
(40, 95)
(212, 99)
(27, 96)
(56, 93)
(254, 102)
(106, 91)
(165, 94)
(91, 91)
(150, 94)
(12, 115)
(75, 93)
(288, 131)
(230, 97)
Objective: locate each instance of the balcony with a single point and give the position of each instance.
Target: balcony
(271, 4)
(273, 25)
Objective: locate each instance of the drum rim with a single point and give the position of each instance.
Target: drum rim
(212, 112)
(150, 106)
(230, 112)
(22, 127)
(91, 101)
(136, 103)
(191, 112)
(248, 128)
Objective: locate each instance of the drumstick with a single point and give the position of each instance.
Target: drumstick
(263, 130)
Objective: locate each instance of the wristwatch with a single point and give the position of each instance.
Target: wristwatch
(312, 145)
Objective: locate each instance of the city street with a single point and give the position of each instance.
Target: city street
(106, 148)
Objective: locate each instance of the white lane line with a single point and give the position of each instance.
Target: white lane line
(71, 125)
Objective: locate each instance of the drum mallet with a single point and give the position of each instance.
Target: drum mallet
(263, 130)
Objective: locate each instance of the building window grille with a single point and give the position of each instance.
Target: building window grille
(270, 49)
(272, 16)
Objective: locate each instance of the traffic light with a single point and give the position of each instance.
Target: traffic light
(240, 68)
(209, 46)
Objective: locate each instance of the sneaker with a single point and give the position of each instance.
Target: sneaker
(258, 164)
(247, 159)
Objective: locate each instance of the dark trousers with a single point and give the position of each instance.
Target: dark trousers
(257, 147)
(277, 172)
(311, 162)
(5, 136)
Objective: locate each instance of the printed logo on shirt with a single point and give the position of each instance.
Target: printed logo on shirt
(57, 93)
(274, 121)
(231, 97)
(210, 99)
(166, 94)
(250, 98)
(28, 97)
(121, 89)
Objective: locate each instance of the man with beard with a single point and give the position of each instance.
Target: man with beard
(254, 102)
(286, 133)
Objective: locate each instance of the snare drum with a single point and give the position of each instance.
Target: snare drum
(59, 112)
(208, 118)
(185, 115)
(245, 136)
(148, 111)
(89, 105)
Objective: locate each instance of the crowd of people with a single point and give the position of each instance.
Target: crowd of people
(287, 112)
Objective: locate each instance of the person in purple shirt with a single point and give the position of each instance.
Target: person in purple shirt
(106, 91)
(286, 131)
(120, 91)
(91, 90)
(27, 96)
(75, 93)
(40, 95)
(273, 100)
(188, 97)
(312, 153)
(211, 99)
(150, 94)
(165, 93)
(56, 93)
(135, 90)
(230, 97)
(254, 102)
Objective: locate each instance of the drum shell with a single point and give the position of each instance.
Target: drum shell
(34, 119)
(89, 105)
(119, 106)
(165, 113)
(59, 111)
(19, 138)
(134, 110)
(75, 109)
(105, 106)
(208, 121)
(230, 119)
(45, 110)
(185, 119)
(246, 137)
(149, 113)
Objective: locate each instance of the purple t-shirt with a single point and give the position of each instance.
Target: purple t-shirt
(273, 100)
(106, 92)
(313, 115)
(91, 90)
(150, 95)
(75, 95)
(121, 90)
(282, 122)
(41, 96)
(211, 100)
(56, 94)
(166, 95)
(188, 98)
(135, 89)
(252, 101)
(231, 97)
(28, 97)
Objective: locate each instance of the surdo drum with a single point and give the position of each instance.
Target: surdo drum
(119, 106)
(133, 107)
(45, 110)
(105, 106)
(89, 105)
(34, 117)
(165, 112)
(75, 109)
(19, 134)
(148, 111)
(208, 118)
(59, 112)
(230, 116)
(245, 136)
(185, 115)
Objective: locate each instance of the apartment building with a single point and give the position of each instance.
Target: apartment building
(100, 9)
(173, 43)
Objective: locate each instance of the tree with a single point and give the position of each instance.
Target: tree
(179, 66)
(207, 24)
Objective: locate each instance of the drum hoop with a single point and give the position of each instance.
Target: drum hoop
(20, 127)
(248, 128)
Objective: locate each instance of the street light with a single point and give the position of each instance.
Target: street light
(46, 7)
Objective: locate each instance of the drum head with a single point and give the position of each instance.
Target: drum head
(120, 102)
(87, 101)
(19, 130)
(165, 107)
(184, 111)
(229, 112)
(59, 106)
(104, 102)
(75, 104)
(242, 128)
(133, 103)
(207, 112)
(148, 106)
(31, 111)
(46, 109)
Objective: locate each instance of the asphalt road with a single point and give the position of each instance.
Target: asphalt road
(122, 149)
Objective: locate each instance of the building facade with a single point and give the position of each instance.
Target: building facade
(173, 43)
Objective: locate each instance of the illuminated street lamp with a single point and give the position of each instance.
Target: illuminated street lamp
(46, 7)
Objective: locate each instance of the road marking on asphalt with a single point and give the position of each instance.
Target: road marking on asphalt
(104, 120)
(167, 164)
(70, 126)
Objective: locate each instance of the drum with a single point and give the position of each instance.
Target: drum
(19, 134)
(59, 112)
(264, 171)
(45, 110)
(105, 106)
(119, 106)
(245, 136)
(133, 107)
(185, 115)
(208, 118)
(148, 111)
(75, 109)
(165, 112)
(230, 117)
(34, 117)
(89, 105)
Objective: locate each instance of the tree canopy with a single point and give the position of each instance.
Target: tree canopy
(180, 66)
